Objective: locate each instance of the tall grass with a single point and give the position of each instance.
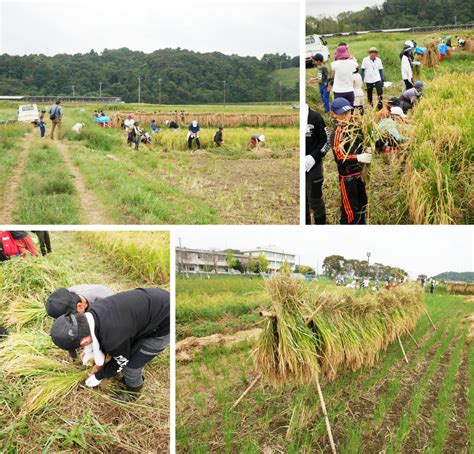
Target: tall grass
(438, 175)
(145, 256)
(315, 333)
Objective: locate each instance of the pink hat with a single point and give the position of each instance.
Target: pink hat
(341, 53)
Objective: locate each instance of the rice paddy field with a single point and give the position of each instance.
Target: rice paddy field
(425, 405)
(95, 178)
(429, 180)
(44, 407)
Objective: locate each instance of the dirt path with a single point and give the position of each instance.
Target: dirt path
(9, 199)
(93, 211)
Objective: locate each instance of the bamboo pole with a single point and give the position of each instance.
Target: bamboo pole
(403, 350)
(257, 378)
(413, 339)
(326, 418)
(429, 318)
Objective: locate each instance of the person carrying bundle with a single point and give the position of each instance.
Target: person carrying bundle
(193, 135)
(411, 97)
(131, 327)
(372, 74)
(347, 145)
(317, 145)
(134, 133)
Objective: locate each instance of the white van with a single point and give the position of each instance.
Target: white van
(315, 44)
(28, 112)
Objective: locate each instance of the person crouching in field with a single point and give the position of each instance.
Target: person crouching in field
(410, 97)
(77, 128)
(347, 145)
(256, 141)
(132, 327)
(317, 145)
(154, 128)
(219, 137)
(24, 243)
(322, 78)
(388, 127)
(193, 135)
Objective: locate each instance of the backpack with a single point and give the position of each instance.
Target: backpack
(8, 244)
(53, 113)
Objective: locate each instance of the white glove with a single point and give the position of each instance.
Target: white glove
(309, 162)
(92, 382)
(366, 158)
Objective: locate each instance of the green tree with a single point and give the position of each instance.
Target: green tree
(261, 264)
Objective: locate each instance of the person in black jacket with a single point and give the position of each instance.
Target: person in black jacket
(347, 145)
(132, 327)
(317, 144)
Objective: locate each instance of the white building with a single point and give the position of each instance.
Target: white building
(204, 261)
(275, 256)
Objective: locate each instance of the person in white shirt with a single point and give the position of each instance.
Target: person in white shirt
(77, 127)
(128, 123)
(372, 74)
(407, 72)
(342, 70)
(358, 92)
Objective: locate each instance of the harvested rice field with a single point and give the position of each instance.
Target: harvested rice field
(376, 403)
(44, 405)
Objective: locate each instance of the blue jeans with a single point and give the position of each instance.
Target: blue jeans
(324, 96)
(42, 128)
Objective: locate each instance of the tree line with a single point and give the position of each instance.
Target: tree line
(185, 77)
(394, 14)
(337, 265)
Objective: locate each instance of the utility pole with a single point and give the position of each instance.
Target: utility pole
(455, 20)
(224, 90)
(139, 88)
(73, 92)
(100, 89)
(159, 91)
(368, 262)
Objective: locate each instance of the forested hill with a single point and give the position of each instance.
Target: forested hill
(186, 77)
(394, 14)
(467, 276)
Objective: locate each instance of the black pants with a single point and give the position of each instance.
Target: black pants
(370, 88)
(408, 84)
(314, 195)
(353, 200)
(45, 241)
(190, 142)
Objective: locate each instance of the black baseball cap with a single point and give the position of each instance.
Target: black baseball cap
(61, 302)
(318, 57)
(395, 102)
(65, 333)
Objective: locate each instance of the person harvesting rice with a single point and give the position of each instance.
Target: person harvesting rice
(132, 327)
(347, 145)
(342, 69)
(410, 97)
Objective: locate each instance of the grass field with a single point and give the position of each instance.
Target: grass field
(163, 183)
(426, 405)
(390, 200)
(42, 407)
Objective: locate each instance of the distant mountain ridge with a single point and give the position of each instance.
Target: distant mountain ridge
(466, 276)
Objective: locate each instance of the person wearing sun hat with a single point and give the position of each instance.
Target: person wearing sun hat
(131, 327)
(342, 70)
(388, 127)
(348, 149)
(372, 75)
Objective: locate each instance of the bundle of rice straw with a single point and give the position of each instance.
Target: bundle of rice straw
(312, 333)
(469, 44)
(431, 55)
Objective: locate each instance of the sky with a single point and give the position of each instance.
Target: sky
(417, 249)
(242, 27)
(334, 7)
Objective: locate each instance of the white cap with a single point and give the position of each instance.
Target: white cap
(195, 123)
(167, 122)
(397, 111)
(261, 138)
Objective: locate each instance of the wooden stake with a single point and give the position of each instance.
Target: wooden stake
(257, 378)
(414, 340)
(328, 424)
(429, 318)
(403, 350)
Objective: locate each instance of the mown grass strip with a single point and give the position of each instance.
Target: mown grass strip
(408, 418)
(47, 193)
(443, 411)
